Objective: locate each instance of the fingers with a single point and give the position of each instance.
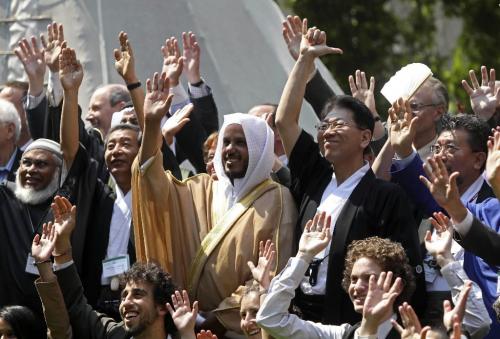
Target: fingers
(352, 85)
(484, 76)
(372, 84)
(396, 326)
(36, 239)
(304, 26)
(251, 266)
(467, 88)
(473, 79)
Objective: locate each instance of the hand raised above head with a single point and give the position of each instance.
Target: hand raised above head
(484, 98)
(206, 335)
(176, 122)
(411, 329)
(33, 60)
(158, 99)
(361, 91)
(191, 54)
(403, 127)
(442, 186)
(313, 43)
(53, 45)
(70, 70)
(315, 237)
(262, 272)
(42, 246)
(173, 63)
(124, 59)
(64, 221)
(292, 34)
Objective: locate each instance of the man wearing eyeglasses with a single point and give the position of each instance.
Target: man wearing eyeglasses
(342, 185)
(429, 103)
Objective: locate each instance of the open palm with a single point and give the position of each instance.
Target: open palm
(157, 101)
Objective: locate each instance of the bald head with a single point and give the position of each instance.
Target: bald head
(105, 101)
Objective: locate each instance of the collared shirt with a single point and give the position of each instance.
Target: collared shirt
(274, 317)
(476, 319)
(119, 230)
(5, 170)
(333, 200)
(425, 151)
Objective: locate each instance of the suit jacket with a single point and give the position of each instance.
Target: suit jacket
(375, 208)
(408, 179)
(12, 174)
(482, 241)
(318, 93)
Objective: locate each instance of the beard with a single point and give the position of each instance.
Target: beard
(30, 196)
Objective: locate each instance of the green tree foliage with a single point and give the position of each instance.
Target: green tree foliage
(381, 36)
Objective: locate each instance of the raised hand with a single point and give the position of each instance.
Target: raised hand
(292, 34)
(191, 56)
(379, 301)
(439, 244)
(442, 186)
(403, 127)
(33, 60)
(411, 328)
(315, 237)
(484, 99)
(70, 70)
(176, 122)
(493, 162)
(124, 59)
(206, 335)
(42, 246)
(64, 222)
(172, 61)
(452, 314)
(361, 91)
(267, 255)
(53, 45)
(157, 101)
(313, 43)
(183, 316)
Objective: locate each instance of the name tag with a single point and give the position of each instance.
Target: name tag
(31, 266)
(114, 266)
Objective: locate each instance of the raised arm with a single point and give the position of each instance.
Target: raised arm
(313, 45)
(125, 66)
(493, 162)
(484, 99)
(32, 58)
(366, 94)
(54, 310)
(156, 105)
(71, 74)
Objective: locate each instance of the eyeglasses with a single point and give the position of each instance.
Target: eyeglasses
(335, 124)
(448, 148)
(415, 107)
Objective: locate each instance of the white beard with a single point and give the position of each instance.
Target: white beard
(30, 196)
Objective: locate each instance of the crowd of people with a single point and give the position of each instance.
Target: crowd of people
(370, 229)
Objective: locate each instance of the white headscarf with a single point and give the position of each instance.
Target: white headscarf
(260, 143)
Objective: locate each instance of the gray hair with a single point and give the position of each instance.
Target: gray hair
(118, 93)
(439, 92)
(8, 114)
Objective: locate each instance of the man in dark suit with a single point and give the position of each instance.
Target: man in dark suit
(340, 184)
(10, 129)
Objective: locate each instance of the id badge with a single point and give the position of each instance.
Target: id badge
(31, 266)
(115, 266)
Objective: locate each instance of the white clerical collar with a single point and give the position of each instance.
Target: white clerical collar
(470, 195)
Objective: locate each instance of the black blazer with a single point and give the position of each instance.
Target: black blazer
(482, 241)
(12, 173)
(375, 208)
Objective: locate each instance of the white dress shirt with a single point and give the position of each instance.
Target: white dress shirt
(119, 230)
(333, 200)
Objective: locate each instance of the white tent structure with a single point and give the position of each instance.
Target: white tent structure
(244, 58)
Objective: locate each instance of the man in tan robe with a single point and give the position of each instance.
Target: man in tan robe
(202, 231)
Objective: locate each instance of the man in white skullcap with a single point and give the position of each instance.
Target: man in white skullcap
(24, 207)
(204, 232)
